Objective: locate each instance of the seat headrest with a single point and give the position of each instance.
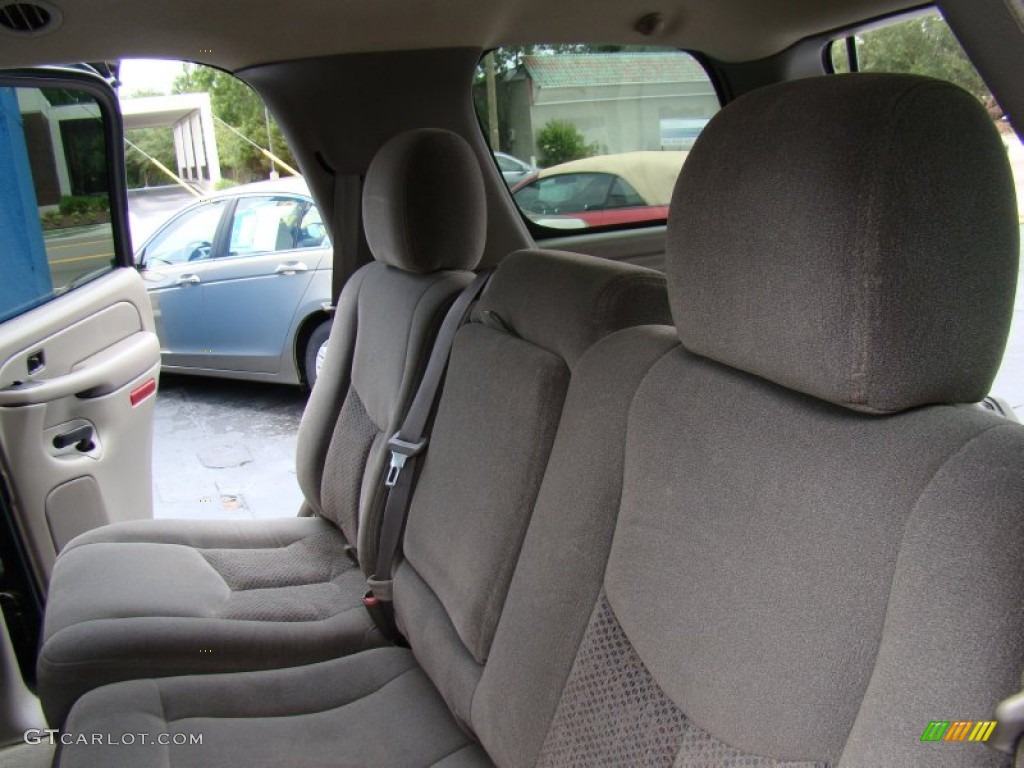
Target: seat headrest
(567, 302)
(424, 207)
(852, 237)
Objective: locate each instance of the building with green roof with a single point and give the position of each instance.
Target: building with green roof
(620, 102)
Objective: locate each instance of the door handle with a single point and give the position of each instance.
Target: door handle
(291, 267)
(100, 374)
(80, 437)
(188, 279)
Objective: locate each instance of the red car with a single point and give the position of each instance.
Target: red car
(629, 188)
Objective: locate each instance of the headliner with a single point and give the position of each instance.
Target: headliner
(236, 35)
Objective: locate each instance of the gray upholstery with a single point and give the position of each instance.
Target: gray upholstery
(318, 715)
(612, 712)
(167, 597)
(859, 245)
(565, 302)
(496, 420)
(559, 574)
(395, 318)
(142, 600)
(716, 569)
(424, 207)
(755, 580)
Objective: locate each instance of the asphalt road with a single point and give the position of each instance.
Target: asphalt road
(225, 449)
(78, 251)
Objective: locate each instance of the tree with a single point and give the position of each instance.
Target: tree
(923, 46)
(559, 141)
(156, 142)
(240, 107)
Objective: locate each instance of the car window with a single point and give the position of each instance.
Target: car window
(188, 237)
(609, 128)
(565, 193)
(622, 195)
(265, 225)
(508, 164)
(55, 222)
(925, 45)
(312, 232)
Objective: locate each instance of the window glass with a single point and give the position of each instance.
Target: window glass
(925, 45)
(189, 237)
(55, 216)
(312, 232)
(598, 128)
(265, 225)
(508, 164)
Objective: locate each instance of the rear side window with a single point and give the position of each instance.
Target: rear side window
(265, 225)
(54, 203)
(189, 237)
(592, 136)
(925, 45)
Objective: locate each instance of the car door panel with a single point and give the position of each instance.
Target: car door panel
(174, 260)
(248, 306)
(99, 347)
(177, 300)
(250, 295)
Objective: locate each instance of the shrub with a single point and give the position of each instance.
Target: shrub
(84, 204)
(559, 141)
(225, 184)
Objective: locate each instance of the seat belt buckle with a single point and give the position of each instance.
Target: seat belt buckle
(401, 450)
(1009, 724)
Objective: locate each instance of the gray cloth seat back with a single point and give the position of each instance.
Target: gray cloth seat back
(426, 240)
(500, 407)
(812, 551)
(137, 599)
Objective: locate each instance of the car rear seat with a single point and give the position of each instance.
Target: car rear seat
(146, 598)
(497, 415)
(778, 542)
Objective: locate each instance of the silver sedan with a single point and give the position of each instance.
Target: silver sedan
(241, 284)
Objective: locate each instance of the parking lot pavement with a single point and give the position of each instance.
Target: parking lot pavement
(225, 449)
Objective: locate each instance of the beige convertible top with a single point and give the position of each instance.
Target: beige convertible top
(652, 174)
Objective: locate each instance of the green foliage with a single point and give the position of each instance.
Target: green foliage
(225, 184)
(923, 46)
(241, 108)
(156, 142)
(559, 141)
(83, 204)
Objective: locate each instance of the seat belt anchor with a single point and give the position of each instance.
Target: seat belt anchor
(401, 450)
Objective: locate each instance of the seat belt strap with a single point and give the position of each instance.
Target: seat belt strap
(410, 441)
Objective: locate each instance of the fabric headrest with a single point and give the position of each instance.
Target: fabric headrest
(853, 237)
(424, 207)
(566, 302)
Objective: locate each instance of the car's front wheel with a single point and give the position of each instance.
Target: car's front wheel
(316, 350)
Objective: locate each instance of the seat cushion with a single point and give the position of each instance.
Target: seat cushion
(198, 597)
(376, 708)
